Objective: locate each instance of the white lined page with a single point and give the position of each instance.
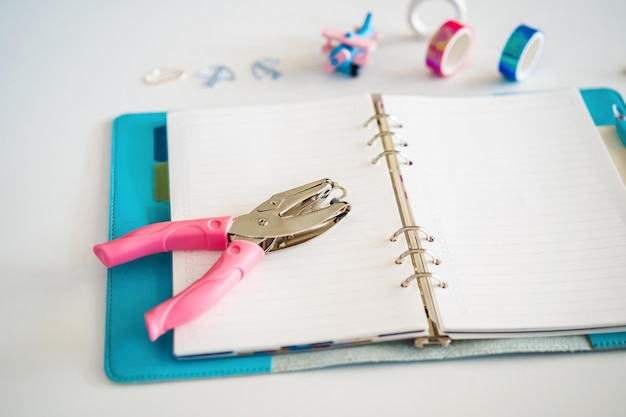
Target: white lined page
(343, 285)
(527, 207)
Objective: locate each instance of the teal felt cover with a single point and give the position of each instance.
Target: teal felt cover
(136, 287)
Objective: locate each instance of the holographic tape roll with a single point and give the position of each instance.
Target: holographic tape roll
(421, 28)
(449, 48)
(521, 53)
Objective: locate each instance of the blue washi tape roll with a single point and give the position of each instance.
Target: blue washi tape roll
(521, 53)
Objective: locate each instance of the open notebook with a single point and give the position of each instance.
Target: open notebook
(526, 207)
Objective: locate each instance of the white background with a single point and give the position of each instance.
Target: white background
(67, 68)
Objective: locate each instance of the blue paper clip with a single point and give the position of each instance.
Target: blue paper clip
(214, 74)
(264, 68)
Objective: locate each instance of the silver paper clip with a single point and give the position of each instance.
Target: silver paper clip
(620, 123)
(214, 74)
(161, 75)
(264, 68)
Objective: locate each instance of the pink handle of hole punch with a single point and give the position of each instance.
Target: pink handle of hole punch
(236, 261)
(209, 234)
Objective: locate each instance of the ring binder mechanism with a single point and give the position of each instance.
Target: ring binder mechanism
(414, 234)
(407, 161)
(394, 135)
(435, 260)
(430, 275)
(427, 236)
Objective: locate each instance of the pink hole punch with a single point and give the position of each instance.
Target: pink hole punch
(286, 219)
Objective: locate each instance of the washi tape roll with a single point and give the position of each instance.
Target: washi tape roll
(425, 30)
(449, 48)
(521, 53)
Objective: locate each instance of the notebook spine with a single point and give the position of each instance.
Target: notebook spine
(417, 237)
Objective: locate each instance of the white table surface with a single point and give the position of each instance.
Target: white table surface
(67, 68)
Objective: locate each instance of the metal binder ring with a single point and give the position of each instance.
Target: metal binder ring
(401, 230)
(435, 260)
(407, 161)
(394, 135)
(389, 117)
(440, 282)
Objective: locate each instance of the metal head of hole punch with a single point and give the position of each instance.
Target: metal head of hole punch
(214, 74)
(161, 75)
(264, 68)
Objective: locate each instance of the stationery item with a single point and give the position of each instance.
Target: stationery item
(517, 202)
(135, 287)
(449, 48)
(215, 74)
(286, 219)
(348, 52)
(521, 53)
(161, 182)
(160, 144)
(611, 110)
(493, 202)
(161, 172)
(161, 75)
(266, 68)
(297, 301)
(620, 123)
(459, 8)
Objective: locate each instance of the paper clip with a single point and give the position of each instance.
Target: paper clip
(214, 74)
(620, 123)
(617, 114)
(264, 68)
(161, 75)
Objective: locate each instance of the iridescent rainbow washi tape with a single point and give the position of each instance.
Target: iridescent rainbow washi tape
(521, 53)
(449, 48)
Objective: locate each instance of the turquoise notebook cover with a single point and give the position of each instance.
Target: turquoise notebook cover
(134, 288)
